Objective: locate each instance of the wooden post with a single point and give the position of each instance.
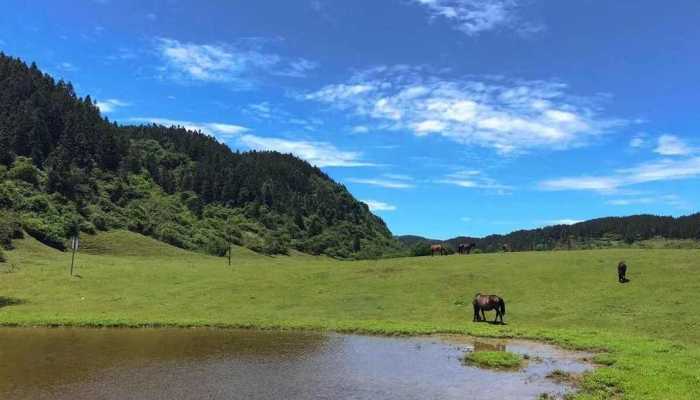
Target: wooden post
(74, 245)
(229, 254)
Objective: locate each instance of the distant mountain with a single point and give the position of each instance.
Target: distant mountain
(585, 234)
(65, 167)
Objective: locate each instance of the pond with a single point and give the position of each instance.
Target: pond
(72, 363)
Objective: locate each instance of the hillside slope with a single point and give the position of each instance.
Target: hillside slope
(64, 167)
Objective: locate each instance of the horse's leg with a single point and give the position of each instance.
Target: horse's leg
(483, 315)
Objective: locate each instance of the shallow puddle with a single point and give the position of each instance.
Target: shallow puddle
(67, 363)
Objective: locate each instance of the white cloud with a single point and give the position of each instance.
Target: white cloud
(655, 171)
(671, 145)
(224, 63)
(110, 105)
(385, 182)
(375, 205)
(320, 154)
(510, 116)
(476, 16)
(217, 129)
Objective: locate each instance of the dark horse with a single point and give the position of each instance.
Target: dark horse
(622, 272)
(465, 248)
(488, 302)
(437, 248)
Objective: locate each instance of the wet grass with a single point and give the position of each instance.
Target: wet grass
(494, 359)
(648, 330)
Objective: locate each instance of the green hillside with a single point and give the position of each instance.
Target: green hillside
(63, 166)
(649, 326)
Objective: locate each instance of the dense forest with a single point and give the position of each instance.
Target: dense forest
(64, 168)
(583, 235)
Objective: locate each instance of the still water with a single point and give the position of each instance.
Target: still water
(68, 363)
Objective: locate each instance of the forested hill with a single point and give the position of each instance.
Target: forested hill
(588, 234)
(64, 166)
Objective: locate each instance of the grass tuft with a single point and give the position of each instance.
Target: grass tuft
(494, 359)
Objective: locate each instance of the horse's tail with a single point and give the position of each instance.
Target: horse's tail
(503, 307)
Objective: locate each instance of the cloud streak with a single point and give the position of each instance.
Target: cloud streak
(387, 181)
(655, 171)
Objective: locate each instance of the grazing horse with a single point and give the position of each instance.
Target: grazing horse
(488, 302)
(465, 248)
(621, 272)
(437, 248)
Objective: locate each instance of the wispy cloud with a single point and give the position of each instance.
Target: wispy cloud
(218, 129)
(474, 179)
(654, 171)
(474, 17)
(671, 145)
(321, 154)
(110, 105)
(388, 181)
(267, 111)
(217, 62)
(669, 199)
(638, 141)
(66, 66)
(510, 116)
(375, 205)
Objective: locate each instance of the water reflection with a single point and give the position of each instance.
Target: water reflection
(224, 364)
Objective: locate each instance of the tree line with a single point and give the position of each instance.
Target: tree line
(593, 233)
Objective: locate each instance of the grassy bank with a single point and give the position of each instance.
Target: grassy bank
(650, 326)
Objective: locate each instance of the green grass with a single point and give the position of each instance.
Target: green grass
(650, 327)
(494, 359)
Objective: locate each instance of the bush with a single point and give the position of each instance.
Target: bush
(24, 170)
(49, 234)
(169, 233)
(421, 249)
(274, 244)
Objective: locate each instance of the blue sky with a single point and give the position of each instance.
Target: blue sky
(448, 117)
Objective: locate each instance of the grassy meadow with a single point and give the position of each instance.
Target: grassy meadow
(647, 331)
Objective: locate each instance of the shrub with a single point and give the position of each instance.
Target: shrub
(274, 244)
(169, 233)
(24, 170)
(50, 234)
(421, 249)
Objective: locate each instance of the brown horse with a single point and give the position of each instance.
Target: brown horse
(437, 248)
(488, 302)
(622, 272)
